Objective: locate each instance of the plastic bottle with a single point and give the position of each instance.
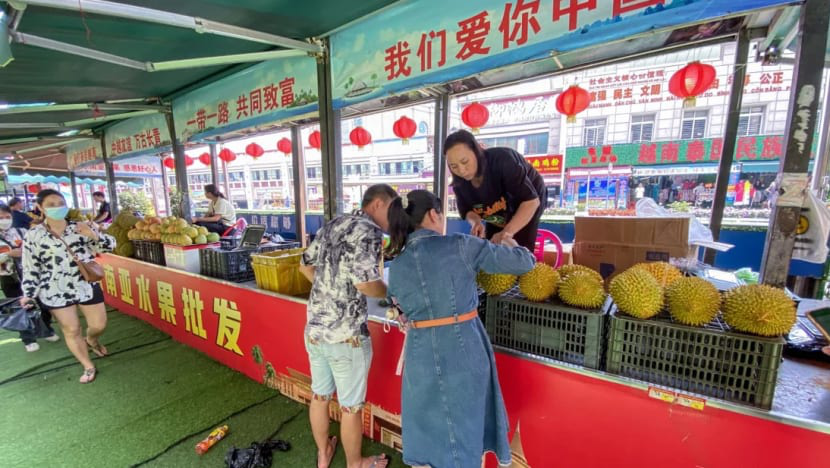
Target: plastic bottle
(215, 436)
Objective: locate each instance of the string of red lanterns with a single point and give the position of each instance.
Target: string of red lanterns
(254, 150)
(573, 101)
(691, 81)
(227, 155)
(404, 128)
(204, 158)
(169, 163)
(314, 139)
(284, 146)
(475, 116)
(360, 137)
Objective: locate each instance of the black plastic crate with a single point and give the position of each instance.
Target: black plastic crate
(235, 265)
(149, 251)
(549, 329)
(711, 361)
(482, 306)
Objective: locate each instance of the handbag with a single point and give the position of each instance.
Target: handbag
(92, 272)
(15, 317)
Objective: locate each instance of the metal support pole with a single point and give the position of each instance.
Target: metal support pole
(330, 141)
(181, 168)
(730, 141)
(164, 186)
(442, 123)
(74, 187)
(214, 169)
(298, 169)
(793, 180)
(226, 178)
(113, 195)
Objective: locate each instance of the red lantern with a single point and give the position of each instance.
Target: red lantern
(188, 161)
(314, 139)
(360, 137)
(692, 81)
(475, 116)
(404, 128)
(34, 188)
(254, 150)
(169, 163)
(204, 158)
(573, 101)
(227, 155)
(284, 145)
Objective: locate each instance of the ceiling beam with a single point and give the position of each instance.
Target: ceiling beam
(200, 25)
(80, 107)
(17, 141)
(44, 43)
(29, 125)
(108, 118)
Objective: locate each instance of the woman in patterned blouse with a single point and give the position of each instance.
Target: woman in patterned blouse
(51, 275)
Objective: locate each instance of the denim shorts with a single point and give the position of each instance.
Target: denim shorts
(342, 368)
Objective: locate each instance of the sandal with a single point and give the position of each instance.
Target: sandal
(333, 445)
(377, 458)
(98, 349)
(89, 375)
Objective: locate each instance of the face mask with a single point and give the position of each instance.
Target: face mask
(5, 224)
(57, 212)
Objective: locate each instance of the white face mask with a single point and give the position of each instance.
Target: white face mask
(5, 224)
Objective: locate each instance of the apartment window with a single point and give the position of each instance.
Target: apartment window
(751, 121)
(311, 172)
(694, 124)
(594, 132)
(642, 128)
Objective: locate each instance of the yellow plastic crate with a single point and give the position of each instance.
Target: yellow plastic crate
(279, 271)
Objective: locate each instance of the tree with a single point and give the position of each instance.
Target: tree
(136, 202)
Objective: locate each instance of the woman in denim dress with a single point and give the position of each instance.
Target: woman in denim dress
(452, 406)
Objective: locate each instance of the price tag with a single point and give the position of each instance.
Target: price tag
(691, 402)
(662, 394)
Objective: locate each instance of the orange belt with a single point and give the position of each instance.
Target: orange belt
(441, 322)
(444, 321)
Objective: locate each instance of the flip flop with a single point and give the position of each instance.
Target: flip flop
(98, 349)
(376, 459)
(333, 445)
(88, 375)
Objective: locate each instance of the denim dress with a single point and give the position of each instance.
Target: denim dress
(452, 406)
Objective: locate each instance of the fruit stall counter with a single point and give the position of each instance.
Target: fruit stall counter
(560, 414)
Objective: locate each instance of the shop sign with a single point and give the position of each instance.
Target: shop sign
(142, 166)
(523, 109)
(407, 47)
(546, 165)
(137, 135)
(708, 150)
(599, 172)
(265, 93)
(83, 153)
(652, 85)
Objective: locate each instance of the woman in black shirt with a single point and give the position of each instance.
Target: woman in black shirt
(496, 186)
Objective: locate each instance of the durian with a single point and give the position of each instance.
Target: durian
(759, 309)
(637, 293)
(664, 273)
(540, 283)
(693, 301)
(582, 289)
(566, 270)
(494, 283)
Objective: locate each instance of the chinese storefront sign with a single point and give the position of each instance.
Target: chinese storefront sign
(139, 166)
(652, 86)
(408, 47)
(83, 153)
(750, 148)
(265, 93)
(523, 109)
(137, 135)
(546, 165)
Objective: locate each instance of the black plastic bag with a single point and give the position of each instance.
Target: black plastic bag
(14, 317)
(258, 455)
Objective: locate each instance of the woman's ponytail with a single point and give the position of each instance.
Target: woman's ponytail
(400, 226)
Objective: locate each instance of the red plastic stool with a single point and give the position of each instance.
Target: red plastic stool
(542, 236)
(240, 224)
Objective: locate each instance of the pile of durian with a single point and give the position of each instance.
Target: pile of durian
(575, 285)
(646, 289)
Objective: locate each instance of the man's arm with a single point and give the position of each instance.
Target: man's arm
(375, 288)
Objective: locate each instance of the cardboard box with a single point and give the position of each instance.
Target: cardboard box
(610, 245)
(550, 254)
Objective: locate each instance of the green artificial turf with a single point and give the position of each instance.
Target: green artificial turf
(152, 401)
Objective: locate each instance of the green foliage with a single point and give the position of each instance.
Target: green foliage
(175, 202)
(136, 202)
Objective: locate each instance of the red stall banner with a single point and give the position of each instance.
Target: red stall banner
(559, 415)
(546, 165)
